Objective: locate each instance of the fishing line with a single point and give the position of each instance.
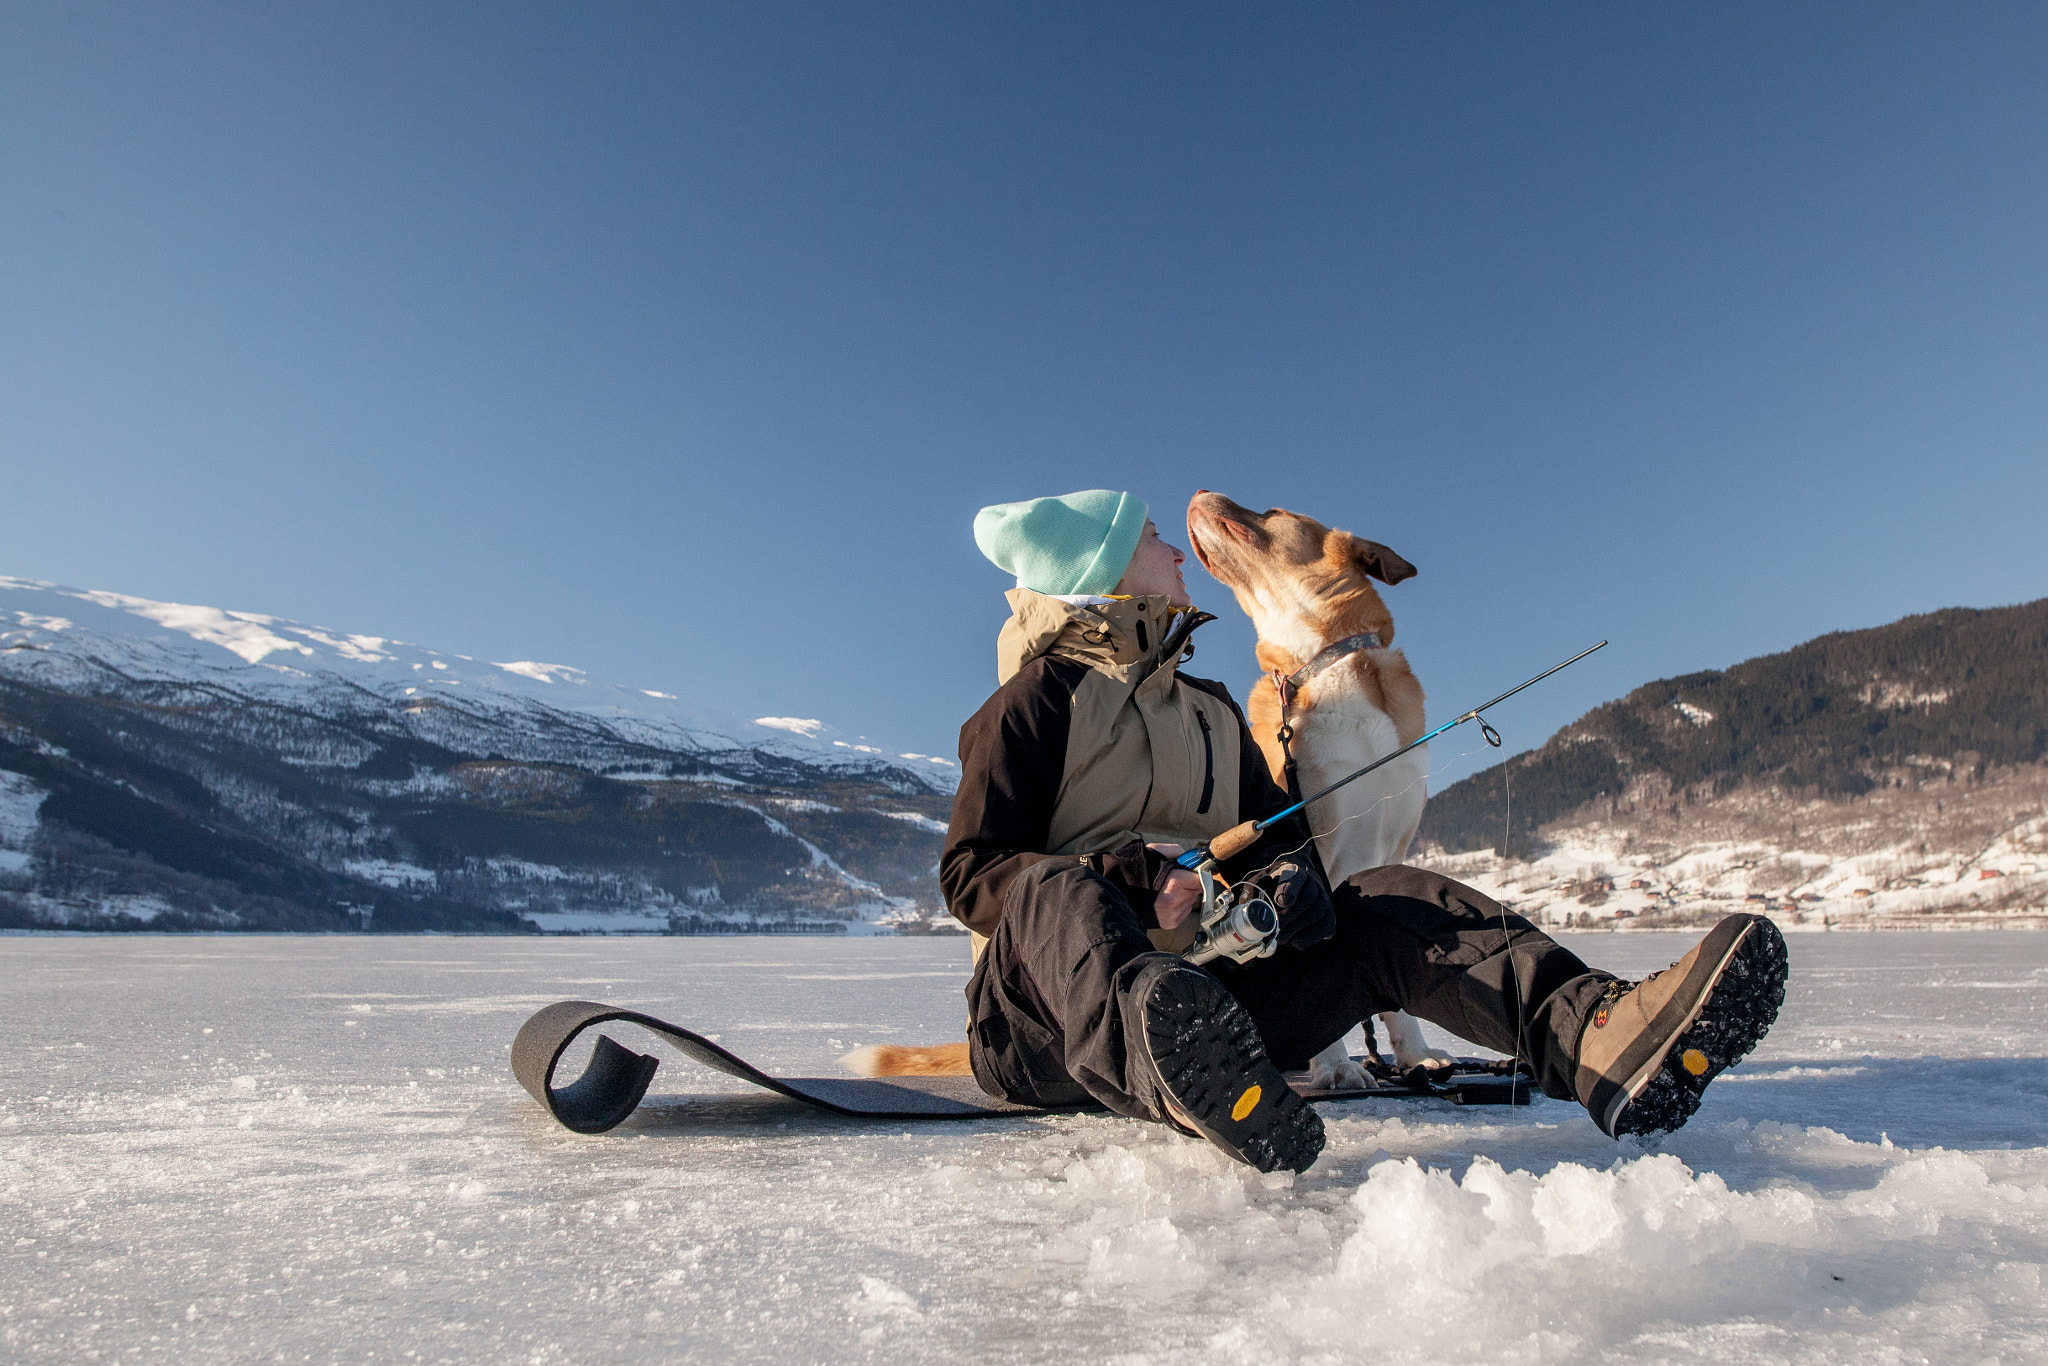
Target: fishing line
(1506, 844)
(1493, 741)
(1515, 975)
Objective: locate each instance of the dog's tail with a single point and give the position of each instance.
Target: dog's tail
(894, 1060)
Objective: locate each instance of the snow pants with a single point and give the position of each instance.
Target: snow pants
(1055, 1020)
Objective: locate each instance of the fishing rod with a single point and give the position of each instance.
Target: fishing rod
(1238, 838)
(1241, 925)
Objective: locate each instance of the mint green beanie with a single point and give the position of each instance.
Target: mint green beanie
(1075, 543)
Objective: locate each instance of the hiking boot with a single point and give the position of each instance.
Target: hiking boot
(1214, 1078)
(1651, 1047)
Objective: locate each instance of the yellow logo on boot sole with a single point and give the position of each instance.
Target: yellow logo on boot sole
(1246, 1103)
(1693, 1061)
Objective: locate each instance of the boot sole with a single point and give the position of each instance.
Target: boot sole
(1218, 1079)
(1738, 1004)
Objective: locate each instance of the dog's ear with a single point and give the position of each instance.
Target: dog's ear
(1380, 562)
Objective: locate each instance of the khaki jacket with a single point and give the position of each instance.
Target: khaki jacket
(1095, 739)
(1148, 757)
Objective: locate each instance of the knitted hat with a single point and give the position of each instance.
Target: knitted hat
(1075, 543)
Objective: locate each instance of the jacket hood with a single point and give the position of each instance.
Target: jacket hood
(1120, 638)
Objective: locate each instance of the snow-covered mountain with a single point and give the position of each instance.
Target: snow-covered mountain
(1889, 777)
(174, 764)
(87, 640)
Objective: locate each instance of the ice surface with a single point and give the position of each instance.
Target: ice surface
(229, 1149)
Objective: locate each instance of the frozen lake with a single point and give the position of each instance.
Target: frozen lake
(225, 1150)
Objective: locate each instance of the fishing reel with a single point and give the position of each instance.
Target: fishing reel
(1237, 923)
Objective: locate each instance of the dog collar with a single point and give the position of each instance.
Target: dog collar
(1290, 684)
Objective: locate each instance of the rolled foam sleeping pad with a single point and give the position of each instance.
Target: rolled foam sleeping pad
(617, 1078)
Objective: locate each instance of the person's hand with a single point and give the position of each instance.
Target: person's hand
(1303, 903)
(1178, 890)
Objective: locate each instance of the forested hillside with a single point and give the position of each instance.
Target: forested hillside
(1831, 717)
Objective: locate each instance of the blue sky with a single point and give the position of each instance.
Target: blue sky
(681, 342)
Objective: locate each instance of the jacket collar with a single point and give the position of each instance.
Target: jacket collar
(1122, 638)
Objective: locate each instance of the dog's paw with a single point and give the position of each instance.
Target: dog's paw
(1410, 1052)
(1333, 1069)
(1348, 1075)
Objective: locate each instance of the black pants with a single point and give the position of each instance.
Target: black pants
(1055, 1019)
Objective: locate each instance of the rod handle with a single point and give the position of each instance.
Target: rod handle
(1234, 841)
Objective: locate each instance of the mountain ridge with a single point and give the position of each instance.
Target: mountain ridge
(179, 766)
(1889, 778)
(167, 766)
(1833, 717)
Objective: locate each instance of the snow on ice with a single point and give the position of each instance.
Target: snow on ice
(246, 1149)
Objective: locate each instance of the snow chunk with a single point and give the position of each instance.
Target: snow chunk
(1699, 716)
(878, 1296)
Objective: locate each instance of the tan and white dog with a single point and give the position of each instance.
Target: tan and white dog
(1307, 587)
